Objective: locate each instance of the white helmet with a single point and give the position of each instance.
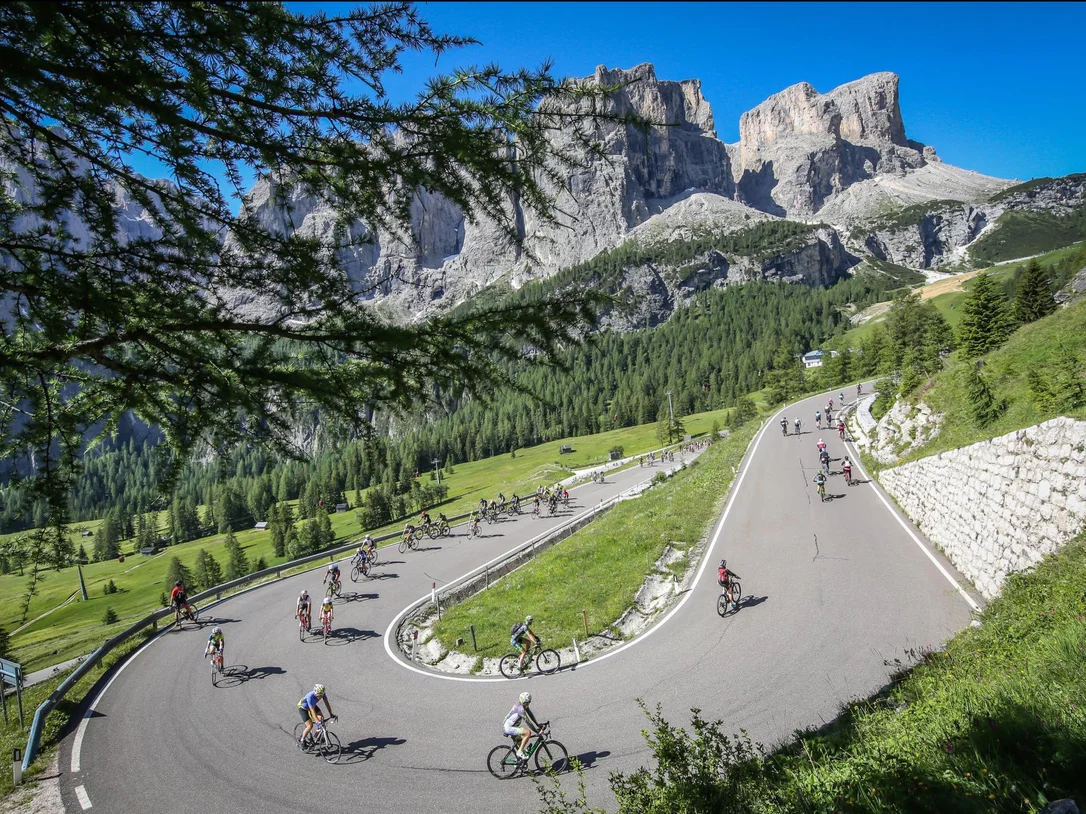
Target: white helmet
(525, 698)
(821, 441)
(304, 594)
(216, 631)
(318, 690)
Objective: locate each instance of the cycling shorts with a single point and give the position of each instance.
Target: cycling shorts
(517, 644)
(303, 713)
(516, 731)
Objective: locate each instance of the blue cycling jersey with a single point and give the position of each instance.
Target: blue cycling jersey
(309, 701)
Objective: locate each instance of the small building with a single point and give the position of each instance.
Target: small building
(342, 507)
(261, 526)
(565, 449)
(812, 359)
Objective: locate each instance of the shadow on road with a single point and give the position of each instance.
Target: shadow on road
(347, 635)
(751, 601)
(588, 759)
(366, 748)
(354, 596)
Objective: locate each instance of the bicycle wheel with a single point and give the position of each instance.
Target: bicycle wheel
(548, 661)
(301, 631)
(413, 543)
(329, 747)
(551, 756)
(736, 593)
(722, 605)
(419, 532)
(433, 532)
(403, 546)
(508, 665)
(299, 728)
(502, 762)
(372, 556)
(214, 673)
(355, 573)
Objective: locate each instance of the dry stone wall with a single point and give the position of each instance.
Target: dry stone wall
(1000, 505)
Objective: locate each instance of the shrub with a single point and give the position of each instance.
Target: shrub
(111, 617)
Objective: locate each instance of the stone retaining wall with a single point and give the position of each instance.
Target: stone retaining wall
(1000, 505)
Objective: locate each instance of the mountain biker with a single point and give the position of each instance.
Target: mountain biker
(333, 574)
(326, 611)
(521, 713)
(519, 632)
(846, 468)
(310, 710)
(784, 426)
(216, 642)
(303, 609)
(179, 599)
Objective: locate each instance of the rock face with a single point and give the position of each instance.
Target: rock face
(999, 506)
(799, 148)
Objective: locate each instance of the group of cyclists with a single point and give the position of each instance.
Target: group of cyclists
(427, 525)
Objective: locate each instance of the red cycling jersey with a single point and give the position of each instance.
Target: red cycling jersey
(177, 593)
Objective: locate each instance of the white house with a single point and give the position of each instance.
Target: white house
(812, 358)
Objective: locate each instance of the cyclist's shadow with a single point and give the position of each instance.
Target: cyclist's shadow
(364, 749)
(354, 596)
(347, 635)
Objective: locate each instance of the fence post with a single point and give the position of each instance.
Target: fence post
(474, 645)
(584, 618)
(487, 576)
(576, 650)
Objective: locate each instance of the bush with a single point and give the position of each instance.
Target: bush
(617, 449)
(111, 617)
(109, 588)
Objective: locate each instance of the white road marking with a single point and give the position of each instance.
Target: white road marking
(81, 795)
(878, 493)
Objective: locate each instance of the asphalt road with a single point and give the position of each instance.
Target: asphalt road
(836, 591)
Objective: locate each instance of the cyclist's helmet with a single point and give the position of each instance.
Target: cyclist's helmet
(177, 584)
(333, 567)
(318, 690)
(821, 441)
(216, 631)
(723, 563)
(525, 698)
(304, 594)
(528, 619)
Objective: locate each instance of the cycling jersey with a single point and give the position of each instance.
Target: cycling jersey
(326, 607)
(215, 639)
(177, 595)
(309, 701)
(517, 714)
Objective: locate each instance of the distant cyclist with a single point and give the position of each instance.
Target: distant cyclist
(820, 482)
(824, 459)
(303, 611)
(521, 713)
(327, 614)
(796, 423)
(818, 418)
(724, 578)
(216, 642)
(332, 574)
(841, 429)
(179, 600)
(821, 445)
(520, 632)
(784, 426)
(846, 468)
(309, 708)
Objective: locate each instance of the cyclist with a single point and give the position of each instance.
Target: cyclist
(424, 518)
(841, 428)
(408, 531)
(483, 504)
(216, 642)
(310, 709)
(474, 523)
(818, 418)
(784, 426)
(501, 501)
(179, 600)
(326, 612)
(521, 713)
(824, 460)
(829, 404)
(858, 389)
(796, 423)
(820, 481)
(303, 610)
(565, 492)
(442, 521)
(516, 502)
(520, 632)
(841, 400)
(333, 574)
(821, 445)
(363, 553)
(846, 468)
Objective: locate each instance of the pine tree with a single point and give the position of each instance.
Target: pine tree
(81, 557)
(986, 319)
(238, 564)
(1034, 299)
(982, 404)
(207, 573)
(111, 617)
(177, 572)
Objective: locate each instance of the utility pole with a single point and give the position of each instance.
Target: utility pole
(82, 585)
(671, 414)
(435, 462)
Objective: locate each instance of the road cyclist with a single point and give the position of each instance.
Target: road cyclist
(331, 578)
(818, 419)
(846, 470)
(841, 429)
(820, 481)
(303, 613)
(309, 709)
(216, 644)
(784, 426)
(179, 600)
(521, 713)
(824, 460)
(517, 635)
(327, 614)
(796, 424)
(821, 446)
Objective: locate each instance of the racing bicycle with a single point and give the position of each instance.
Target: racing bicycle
(303, 624)
(216, 666)
(547, 661)
(549, 755)
(360, 569)
(321, 741)
(411, 542)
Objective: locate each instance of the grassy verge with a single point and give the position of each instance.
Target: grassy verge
(1040, 346)
(13, 736)
(76, 628)
(600, 568)
(994, 722)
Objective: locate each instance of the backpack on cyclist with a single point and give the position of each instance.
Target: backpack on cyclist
(517, 629)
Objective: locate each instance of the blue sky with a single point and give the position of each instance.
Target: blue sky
(999, 88)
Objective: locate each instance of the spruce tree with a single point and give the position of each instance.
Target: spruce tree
(983, 406)
(1034, 298)
(177, 572)
(986, 318)
(206, 573)
(237, 564)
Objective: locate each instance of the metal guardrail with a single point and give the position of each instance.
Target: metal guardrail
(33, 741)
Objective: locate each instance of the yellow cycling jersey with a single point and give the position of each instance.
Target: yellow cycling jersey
(326, 606)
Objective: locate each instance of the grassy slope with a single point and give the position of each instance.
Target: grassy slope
(600, 568)
(995, 722)
(75, 628)
(1031, 347)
